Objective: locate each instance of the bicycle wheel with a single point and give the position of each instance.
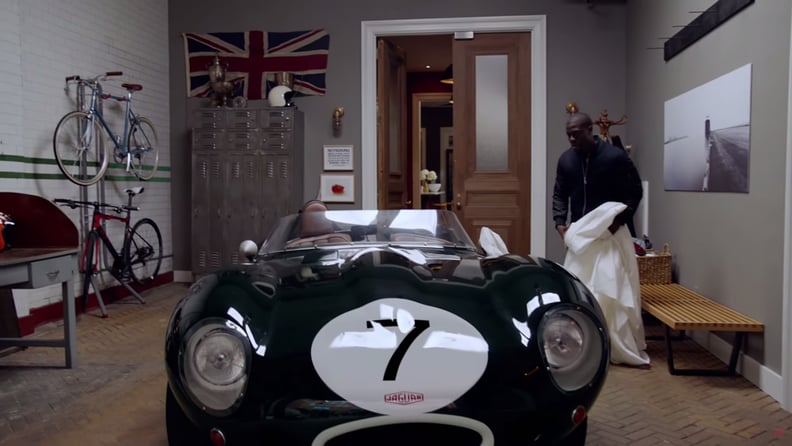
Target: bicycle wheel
(142, 146)
(79, 148)
(143, 251)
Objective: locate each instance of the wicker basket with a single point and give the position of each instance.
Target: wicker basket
(655, 269)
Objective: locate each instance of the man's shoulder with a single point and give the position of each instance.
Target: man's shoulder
(568, 153)
(567, 156)
(608, 149)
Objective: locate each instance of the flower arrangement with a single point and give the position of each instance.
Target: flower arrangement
(428, 175)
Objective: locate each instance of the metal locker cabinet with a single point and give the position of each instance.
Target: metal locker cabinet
(247, 172)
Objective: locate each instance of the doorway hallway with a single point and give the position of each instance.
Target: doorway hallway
(533, 24)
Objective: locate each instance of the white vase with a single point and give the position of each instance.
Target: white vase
(434, 187)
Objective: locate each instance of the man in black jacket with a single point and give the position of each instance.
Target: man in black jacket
(592, 172)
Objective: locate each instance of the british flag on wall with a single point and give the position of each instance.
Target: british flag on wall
(253, 58)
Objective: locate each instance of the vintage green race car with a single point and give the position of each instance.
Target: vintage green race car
(383, 328)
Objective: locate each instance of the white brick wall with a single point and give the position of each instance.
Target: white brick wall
(42, 42)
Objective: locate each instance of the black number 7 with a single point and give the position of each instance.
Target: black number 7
(395, 361)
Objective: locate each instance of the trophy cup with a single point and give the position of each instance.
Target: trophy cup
(221, 88)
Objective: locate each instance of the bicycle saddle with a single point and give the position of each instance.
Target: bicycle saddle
(134, 190)
(132, 87)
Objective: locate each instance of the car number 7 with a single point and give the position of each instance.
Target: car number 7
(395, 361)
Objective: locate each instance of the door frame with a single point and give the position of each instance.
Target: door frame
(419, 139)
(535, 24)
(786, 327)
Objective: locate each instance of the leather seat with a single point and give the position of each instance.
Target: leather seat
(315, 228)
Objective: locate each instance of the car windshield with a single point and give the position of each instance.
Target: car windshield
(404, 227)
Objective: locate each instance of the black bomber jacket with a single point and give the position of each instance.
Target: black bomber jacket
(585, 180)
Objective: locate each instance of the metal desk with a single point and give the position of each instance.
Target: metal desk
(43, 252)
(36, 268)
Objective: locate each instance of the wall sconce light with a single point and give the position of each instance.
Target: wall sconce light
(338, 113)
(448, 75)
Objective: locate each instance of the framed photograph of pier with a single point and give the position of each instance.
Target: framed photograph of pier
(707, 136)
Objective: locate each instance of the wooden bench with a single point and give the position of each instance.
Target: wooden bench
(679, 308)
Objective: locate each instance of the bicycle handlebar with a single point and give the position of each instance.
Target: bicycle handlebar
(95, 204)
(77, 77)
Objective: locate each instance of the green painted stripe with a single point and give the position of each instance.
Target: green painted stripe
(60, 176)
(35, 176)
(25, 159)
(134, 178)
(51, 161)
(122, 166)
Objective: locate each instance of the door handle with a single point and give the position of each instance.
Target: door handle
(408, 203)
(459, 202)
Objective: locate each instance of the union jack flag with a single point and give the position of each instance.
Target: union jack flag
(253, 57)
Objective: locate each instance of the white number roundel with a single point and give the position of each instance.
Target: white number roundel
(395, 356)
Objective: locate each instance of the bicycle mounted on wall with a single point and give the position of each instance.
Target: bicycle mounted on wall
(81, 153)
(79, 138)
(139, 258)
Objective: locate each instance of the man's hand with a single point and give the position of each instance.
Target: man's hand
(562, 229)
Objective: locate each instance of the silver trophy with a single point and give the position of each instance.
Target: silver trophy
(221, 88)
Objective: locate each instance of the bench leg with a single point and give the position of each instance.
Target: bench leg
(730, 370)
(735, 354)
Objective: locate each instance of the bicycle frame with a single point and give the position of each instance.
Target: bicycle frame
(130, 118)
(96, 228)
(79, 138)
(139, 257)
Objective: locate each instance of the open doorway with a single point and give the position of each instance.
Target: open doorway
(432, 131)
(432, 122)
(371, 30)
(427, 101)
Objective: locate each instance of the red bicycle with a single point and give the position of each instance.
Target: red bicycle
(140, 256)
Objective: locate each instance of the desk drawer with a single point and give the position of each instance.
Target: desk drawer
(52, 271)
(12, 275)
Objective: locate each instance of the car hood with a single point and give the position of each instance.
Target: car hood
(384, 329)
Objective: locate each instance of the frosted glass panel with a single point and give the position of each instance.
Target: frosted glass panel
(492, 112)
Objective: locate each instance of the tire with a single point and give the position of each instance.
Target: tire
(80, 149)
(181, 432)
(143, 251)
(143, 146)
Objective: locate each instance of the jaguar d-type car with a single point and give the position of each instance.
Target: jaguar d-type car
(383, 328)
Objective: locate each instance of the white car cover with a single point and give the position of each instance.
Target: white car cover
(492, 243)
(606, 263)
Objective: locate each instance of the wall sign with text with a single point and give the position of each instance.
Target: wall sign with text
(338, 157)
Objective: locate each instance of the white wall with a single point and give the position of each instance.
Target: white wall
(42, 42)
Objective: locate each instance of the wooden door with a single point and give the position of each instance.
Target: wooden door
(393, 189)
(492, 136)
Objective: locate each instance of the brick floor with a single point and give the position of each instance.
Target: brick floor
(116, 394)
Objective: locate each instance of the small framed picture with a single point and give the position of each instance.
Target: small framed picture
(338, 157)
(337, 188)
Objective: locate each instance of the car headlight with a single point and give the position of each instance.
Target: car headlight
(215, 364)
(572, 346)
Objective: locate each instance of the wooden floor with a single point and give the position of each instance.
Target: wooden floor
(116, 394)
